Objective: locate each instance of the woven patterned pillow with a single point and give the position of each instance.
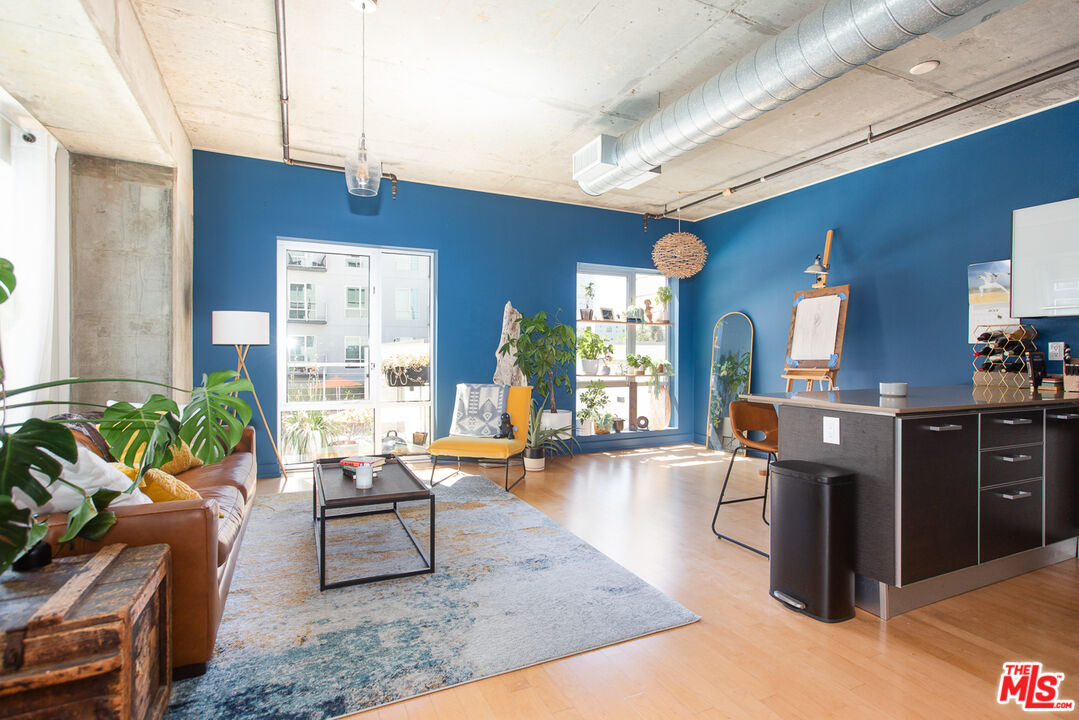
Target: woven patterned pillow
(477, 412)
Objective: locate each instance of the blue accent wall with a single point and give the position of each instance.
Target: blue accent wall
(490, 249)
(906, 230)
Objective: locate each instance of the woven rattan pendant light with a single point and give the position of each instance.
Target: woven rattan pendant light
(679, 254)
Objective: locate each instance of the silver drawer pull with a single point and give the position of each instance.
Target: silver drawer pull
(1015, 458)
(1015, 495)
(788, 600)
(944, 428)
(1065, 416)
(1017, 421)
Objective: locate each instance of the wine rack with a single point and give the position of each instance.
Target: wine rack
(1000, 355)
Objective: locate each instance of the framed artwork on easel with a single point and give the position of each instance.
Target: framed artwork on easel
(815, 342)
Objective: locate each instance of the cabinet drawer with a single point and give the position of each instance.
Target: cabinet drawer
(1011, 465)
(1010, 519)
(939, 495)
(1011, 428)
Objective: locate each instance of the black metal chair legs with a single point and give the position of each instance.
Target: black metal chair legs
(506, 481)
(722, 502)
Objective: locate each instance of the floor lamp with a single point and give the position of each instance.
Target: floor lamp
(242, 329)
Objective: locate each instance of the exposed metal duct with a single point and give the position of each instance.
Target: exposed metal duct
(825, 44)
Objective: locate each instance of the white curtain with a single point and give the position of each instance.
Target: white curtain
(33, 322)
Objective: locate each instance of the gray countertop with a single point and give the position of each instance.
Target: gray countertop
(946, 398)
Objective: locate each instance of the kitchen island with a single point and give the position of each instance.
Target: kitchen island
(957, 487)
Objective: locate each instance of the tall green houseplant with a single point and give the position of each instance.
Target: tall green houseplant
(546, 353)
(211, 424)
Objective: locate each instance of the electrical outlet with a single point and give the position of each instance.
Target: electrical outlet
(831, 430)
(1056, 351)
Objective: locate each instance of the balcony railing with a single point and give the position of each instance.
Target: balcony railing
(307, 312)
(307, 261)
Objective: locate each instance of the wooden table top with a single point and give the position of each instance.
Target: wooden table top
(393, 482)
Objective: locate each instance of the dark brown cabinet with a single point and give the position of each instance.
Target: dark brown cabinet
(1061, 473)
(939, 495)
(1011, 519)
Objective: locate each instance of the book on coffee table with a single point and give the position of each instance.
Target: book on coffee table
(349, 464)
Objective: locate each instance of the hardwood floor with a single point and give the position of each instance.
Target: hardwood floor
(650, 510)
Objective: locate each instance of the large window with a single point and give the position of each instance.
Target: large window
(630, 319)
(358, 353)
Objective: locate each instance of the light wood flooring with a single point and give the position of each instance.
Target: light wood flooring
(748, 657)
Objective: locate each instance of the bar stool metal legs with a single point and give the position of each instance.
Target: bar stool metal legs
(722, 502)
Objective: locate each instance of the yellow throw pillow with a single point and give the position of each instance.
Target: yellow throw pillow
(129, 471)
(182, 460)
(159, 486)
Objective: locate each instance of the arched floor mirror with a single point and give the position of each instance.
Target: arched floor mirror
(729, 376)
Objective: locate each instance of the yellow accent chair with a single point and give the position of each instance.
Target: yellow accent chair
(518, 404)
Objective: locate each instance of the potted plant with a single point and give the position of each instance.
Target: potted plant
(589, 295)
(407, 370)
(593, 403)
(605, 368)
(603, 423)
(664, 297)
(658, 369)
(546, 354)
(590, 346)
(539, 439)
(636, 364)
(619, 424)
(634, 314)
(211, 424)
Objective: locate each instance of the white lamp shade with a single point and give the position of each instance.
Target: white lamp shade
(239, 327)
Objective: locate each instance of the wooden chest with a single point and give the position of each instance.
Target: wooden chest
(88, 636)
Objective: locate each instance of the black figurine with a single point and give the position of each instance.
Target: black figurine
(505, 430)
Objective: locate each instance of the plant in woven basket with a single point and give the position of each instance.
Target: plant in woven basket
(30, 454)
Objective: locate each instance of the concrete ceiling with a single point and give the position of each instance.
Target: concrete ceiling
(497, 96)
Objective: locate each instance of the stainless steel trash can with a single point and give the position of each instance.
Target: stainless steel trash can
(811, 566)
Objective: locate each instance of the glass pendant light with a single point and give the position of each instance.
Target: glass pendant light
(363, 171)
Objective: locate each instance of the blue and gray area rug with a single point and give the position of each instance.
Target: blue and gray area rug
(511, 589)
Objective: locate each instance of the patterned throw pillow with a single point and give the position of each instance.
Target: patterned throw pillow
(478, 409)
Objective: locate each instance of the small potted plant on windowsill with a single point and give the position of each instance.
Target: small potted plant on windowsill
(539, 439)
(664, 297)
(636, 364)
(605, 368)
(603, 423)
(589, 297)
(634, 314)
(590, 347)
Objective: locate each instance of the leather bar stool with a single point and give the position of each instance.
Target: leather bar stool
(747, 417)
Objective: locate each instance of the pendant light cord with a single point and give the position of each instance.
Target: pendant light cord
(363, 71)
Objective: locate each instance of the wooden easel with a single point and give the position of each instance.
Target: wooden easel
(823, 370)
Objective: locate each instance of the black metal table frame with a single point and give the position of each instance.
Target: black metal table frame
(320, 515)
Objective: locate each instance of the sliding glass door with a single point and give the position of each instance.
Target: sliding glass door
(354, 347)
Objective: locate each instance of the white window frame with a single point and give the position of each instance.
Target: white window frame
(355, 312)
(373, 359)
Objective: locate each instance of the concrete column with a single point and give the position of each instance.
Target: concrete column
(123, 301)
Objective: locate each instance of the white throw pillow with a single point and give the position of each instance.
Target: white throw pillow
(91, 473)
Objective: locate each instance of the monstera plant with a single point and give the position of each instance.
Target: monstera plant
(139, 436)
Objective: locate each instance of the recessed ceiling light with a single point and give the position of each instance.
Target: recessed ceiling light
(924, 67)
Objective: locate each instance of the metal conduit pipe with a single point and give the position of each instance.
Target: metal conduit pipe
(825, 44)
(282, 72)
(873, 137)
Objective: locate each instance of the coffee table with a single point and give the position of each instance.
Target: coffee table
(334, 496)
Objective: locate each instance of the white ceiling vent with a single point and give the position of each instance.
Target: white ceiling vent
(595, 158)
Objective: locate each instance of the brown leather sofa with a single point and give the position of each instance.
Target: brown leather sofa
(204, 545)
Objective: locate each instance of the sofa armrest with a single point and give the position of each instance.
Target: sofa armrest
(247, 441)
(189, 528)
